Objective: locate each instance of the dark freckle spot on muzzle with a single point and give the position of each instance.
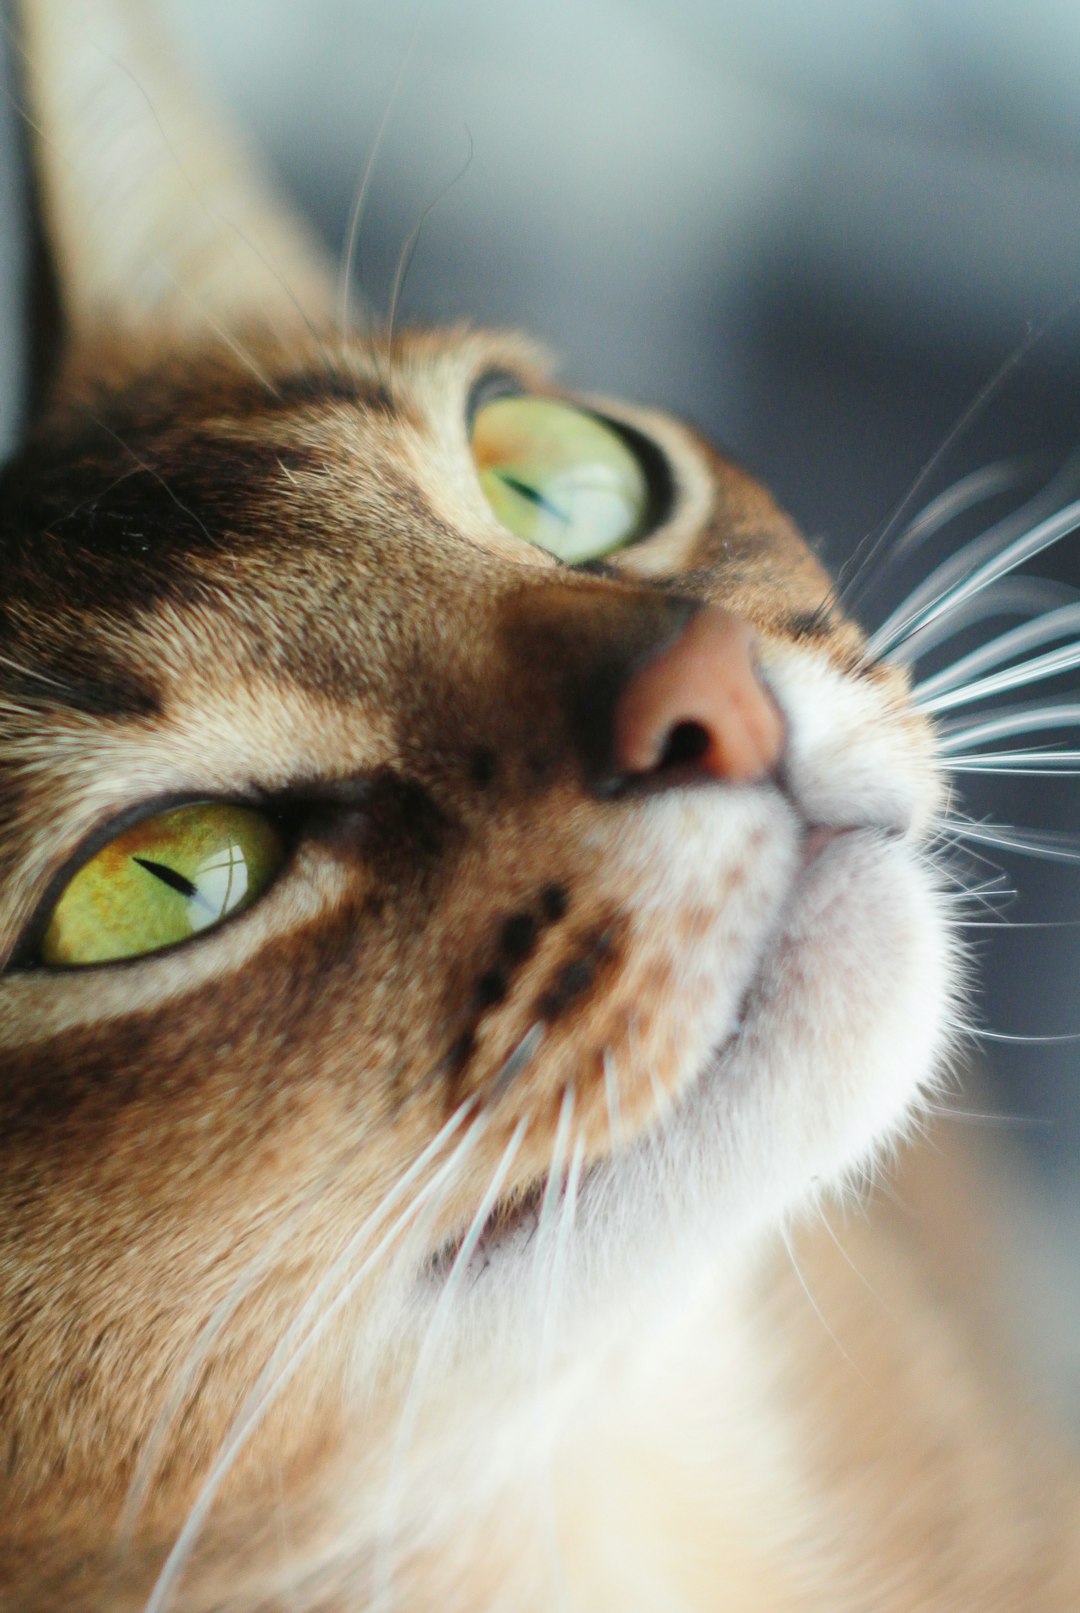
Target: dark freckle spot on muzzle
(554, 903)
(460, 1053)
(572, 980)
(491, 988)
(518, 938)
(455, 1066)
(578, 977)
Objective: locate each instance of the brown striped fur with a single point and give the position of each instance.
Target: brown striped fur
(242, 556)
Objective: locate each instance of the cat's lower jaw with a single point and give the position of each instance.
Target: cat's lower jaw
(840, 1032)
(845, 1024)
(622, 1323)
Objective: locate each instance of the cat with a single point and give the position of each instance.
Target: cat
(470, 898)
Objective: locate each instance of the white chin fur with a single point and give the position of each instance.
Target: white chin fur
(845, 1023)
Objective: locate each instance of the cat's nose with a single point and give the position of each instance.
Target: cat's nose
(698, 709)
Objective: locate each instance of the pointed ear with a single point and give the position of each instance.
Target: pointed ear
(151, 208)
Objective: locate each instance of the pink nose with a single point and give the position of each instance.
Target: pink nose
(700, 705)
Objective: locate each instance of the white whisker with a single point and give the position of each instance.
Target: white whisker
(356, 212)
(942, 592)
(815, 1307)
(877, 539)
(519, 1057)
(1040, 764)
(975, 488)
(548, 1329)
(611, 1099)
(1005, 1036)
(1050, 665)
(406, 256)
(553, 1187)
(1052, 624)
(1008, 596)
(563, 1233)
(903, 621)
(202, 195)
(1025, 719)
(232, 342)
(944, 1111)
(1047, 843)
(845, 1256)
(382, 1568)
(983, 895)
(1021, 924)
(154, 1448)
(33, 674)
(274, 1377)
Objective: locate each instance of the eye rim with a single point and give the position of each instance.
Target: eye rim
(659, 478)
(661, 488)
(490, 388)
(25, 957)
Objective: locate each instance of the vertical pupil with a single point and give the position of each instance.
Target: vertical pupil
(168, 876)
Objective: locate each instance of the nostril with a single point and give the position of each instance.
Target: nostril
(687, 742)
(700, 707)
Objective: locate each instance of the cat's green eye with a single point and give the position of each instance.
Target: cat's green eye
(162, 881)
(559, 478)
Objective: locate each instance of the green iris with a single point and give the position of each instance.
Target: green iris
(559, 478)
(162, 881)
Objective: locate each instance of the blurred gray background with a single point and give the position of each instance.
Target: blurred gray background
(815, 230)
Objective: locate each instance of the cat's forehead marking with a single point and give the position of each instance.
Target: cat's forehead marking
(315, 387)
(75, 672)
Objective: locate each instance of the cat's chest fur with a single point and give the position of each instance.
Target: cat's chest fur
(466, 893)
(749, 1460)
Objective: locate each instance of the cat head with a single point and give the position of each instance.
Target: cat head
(539, 991)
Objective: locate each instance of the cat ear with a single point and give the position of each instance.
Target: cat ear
(152, 210)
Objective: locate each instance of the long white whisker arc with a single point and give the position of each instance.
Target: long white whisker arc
(905, 620)
(548, 1332)
(1028, 596)
(1052, 624)
(270, 1382)
(877, 539)
(1029, 842)
(1040, 763)
(356, 212)
(1026, 719)
(382, 1571)
(553, 1187)
(979, 485)
(943, 596)
(154, 1448)
(1050, 665)
(563, 1233)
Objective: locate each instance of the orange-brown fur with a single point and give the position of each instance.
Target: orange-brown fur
(274, 576)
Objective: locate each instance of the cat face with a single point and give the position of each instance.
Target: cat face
(502, 1011)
